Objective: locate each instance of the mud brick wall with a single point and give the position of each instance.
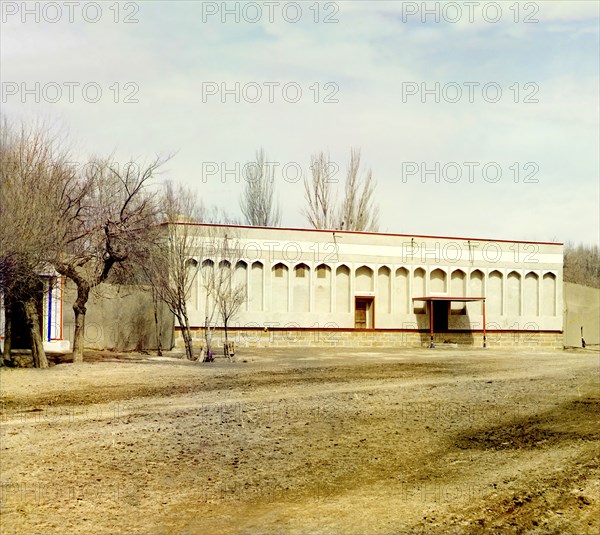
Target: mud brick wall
(374, 338)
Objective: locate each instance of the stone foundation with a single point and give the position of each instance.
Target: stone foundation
(545, 340)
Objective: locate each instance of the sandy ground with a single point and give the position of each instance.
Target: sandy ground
(304, 441)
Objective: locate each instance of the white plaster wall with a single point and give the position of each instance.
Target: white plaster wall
(368, 264)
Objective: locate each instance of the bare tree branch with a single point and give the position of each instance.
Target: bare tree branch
(257, 202)
(320, 198)
(357, 210)
(582, 264)
(33, 169)
(168, 262)
(103, 218)
(230, 291)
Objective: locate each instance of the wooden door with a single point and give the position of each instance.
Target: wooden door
(360, 314)
(364, 313)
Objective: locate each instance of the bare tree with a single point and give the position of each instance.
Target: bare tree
(157, 310)
(210, 279)
(222, 291)
(177, 256)
(357, 210)
(169, 265)
(582, 264)
(230, 292)
(147, 273)
(33, 172)
(318, 192)
(209, 284)
(257, 202)
(103, 217)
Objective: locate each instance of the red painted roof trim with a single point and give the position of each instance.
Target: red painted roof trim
(296, 229)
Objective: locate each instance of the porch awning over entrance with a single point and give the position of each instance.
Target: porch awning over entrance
(431, 298)
(444, 298)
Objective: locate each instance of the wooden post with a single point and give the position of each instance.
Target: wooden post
(484, 337)
(431, 344)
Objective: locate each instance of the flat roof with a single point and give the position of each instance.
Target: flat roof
(296, 229)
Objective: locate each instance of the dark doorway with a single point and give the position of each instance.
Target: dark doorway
(19, 333)
(364, 313)
(440, 316)
(19, 330)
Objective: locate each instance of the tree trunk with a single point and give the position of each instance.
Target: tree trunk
(33, 323)
(157, 324)
(186, 335)
(83, 293)
(207, 337)
(7, 333)
(227, 352)
(187, 340)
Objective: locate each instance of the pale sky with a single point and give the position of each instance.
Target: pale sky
(154, 71)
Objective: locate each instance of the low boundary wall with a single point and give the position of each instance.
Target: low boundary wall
(299, 337)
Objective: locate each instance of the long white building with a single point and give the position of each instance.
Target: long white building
(354, 288)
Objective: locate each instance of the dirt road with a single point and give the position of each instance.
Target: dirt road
(304, 441)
